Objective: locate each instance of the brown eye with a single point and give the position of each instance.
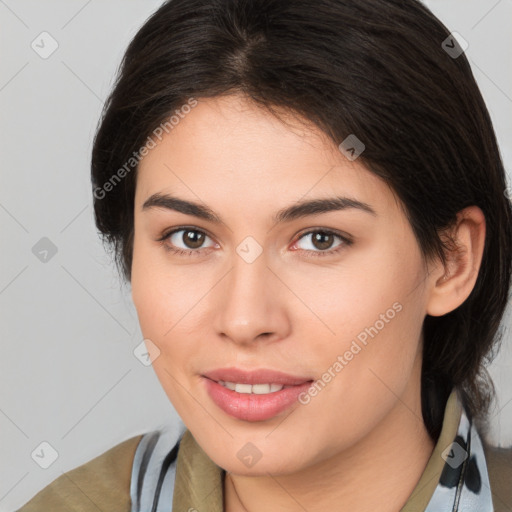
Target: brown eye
(322, 240)
(186, 240)
(193, 239)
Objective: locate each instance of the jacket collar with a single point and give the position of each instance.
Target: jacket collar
(455, 477)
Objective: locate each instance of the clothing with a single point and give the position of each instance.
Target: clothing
(144, 472)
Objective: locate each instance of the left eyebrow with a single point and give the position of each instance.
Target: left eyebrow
(296, 211)
(317, 206)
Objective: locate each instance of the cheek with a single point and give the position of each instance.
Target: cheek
(162, 294)
(370, 316)
(160, 305)
(170, 302)
(365, 296)
(364, 368)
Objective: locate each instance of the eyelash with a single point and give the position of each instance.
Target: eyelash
(347, 242)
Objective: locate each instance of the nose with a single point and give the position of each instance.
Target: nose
(251, 303)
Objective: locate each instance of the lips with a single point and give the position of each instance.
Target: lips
(249, 406)
(262, 376)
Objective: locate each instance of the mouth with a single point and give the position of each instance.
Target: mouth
(254, 395)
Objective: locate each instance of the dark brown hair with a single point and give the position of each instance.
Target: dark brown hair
(374, 68)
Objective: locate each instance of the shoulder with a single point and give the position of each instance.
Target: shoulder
(103, 483)
(499, 466)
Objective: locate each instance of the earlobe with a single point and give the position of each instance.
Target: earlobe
(463, 260)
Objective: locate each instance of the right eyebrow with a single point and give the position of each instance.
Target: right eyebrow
(181, 205)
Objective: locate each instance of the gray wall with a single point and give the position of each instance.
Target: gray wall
(68, 330)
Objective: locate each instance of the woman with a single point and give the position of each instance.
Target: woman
(309, 203)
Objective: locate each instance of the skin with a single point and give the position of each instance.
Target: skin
(211, 309)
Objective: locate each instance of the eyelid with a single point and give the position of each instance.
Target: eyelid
(329, 231)
(168, 232)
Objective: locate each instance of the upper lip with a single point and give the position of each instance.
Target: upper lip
(260, 376)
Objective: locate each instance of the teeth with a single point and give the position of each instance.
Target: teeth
(257, 389)
(243, 388)
(260, 389)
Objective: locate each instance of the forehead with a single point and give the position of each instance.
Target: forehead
(228, 147)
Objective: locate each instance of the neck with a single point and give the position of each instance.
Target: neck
(378, 473)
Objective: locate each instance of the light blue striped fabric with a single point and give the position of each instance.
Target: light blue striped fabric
(464, 484)
(154, 470)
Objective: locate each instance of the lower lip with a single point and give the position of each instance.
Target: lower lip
(252, 407)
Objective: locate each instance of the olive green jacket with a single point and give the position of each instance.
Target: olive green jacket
(103, 484)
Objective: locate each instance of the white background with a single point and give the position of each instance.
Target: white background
(68, 330)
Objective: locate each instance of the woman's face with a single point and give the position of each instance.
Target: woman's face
(332, 295)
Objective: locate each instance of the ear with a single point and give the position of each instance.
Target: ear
(452, 283)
